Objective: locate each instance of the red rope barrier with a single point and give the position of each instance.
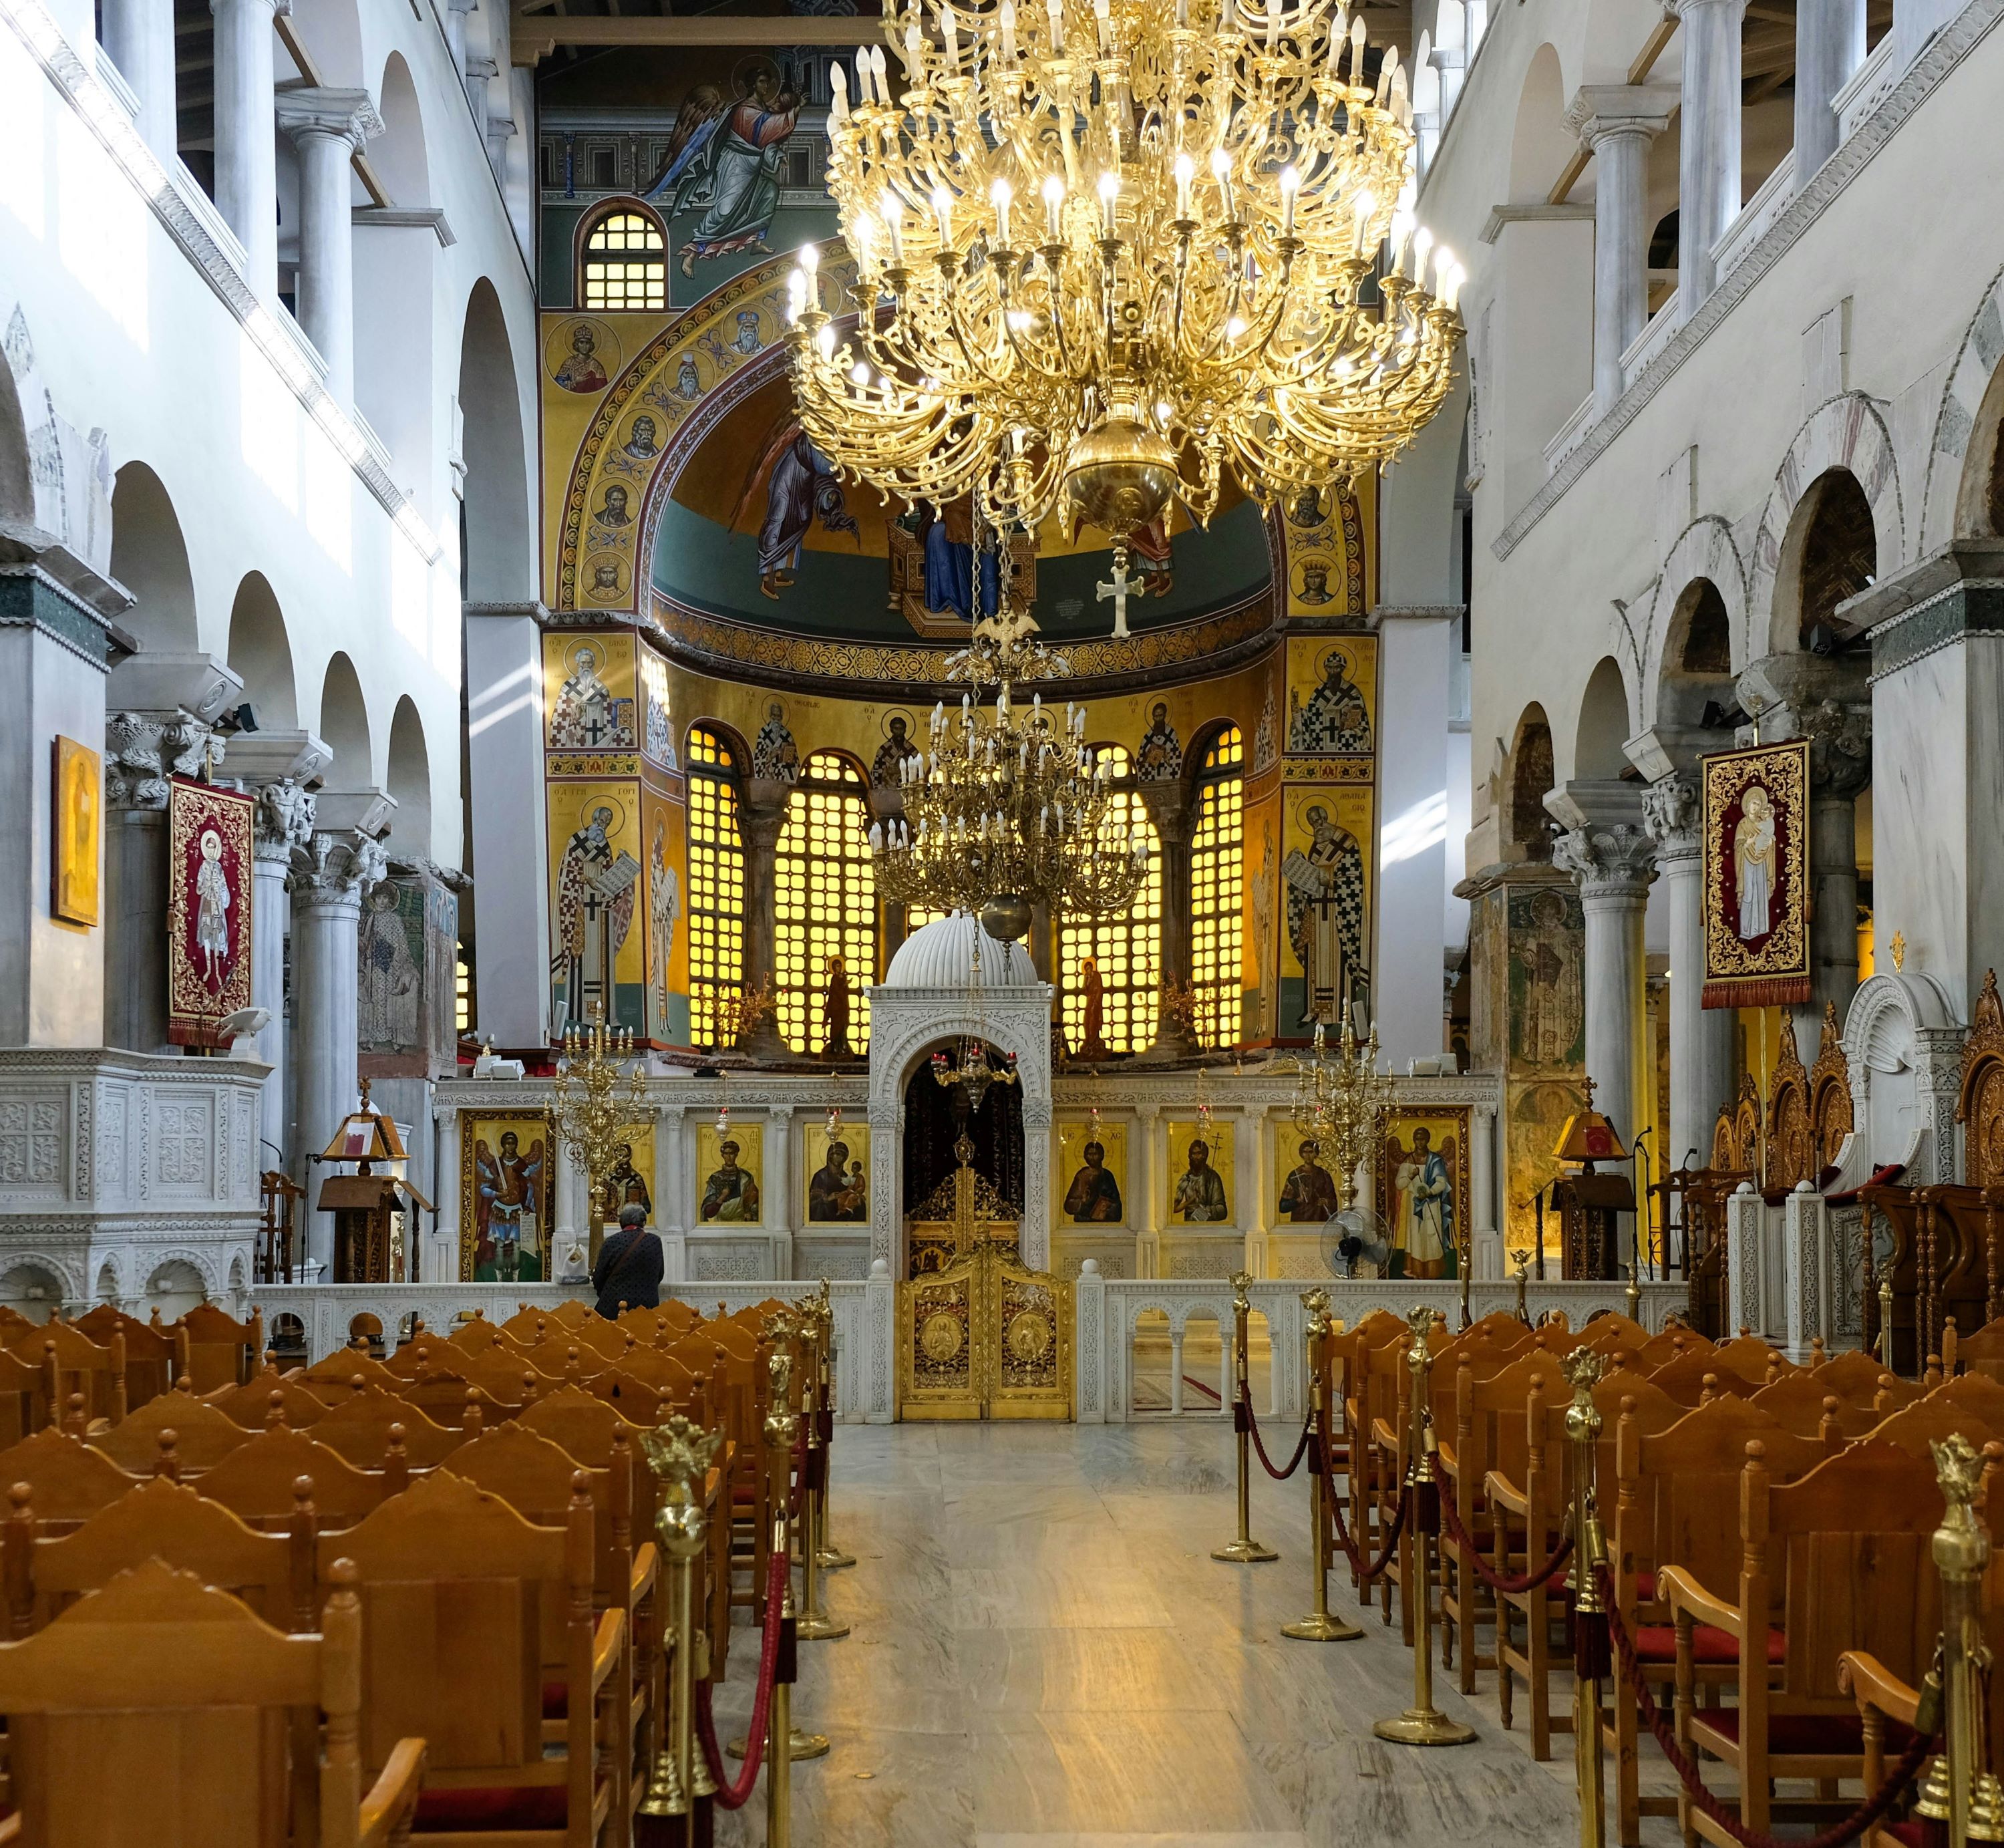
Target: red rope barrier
(1506, 1583)
(734, 1796)
(1367, 1573)
(1837, 1835)
(1265, 1462)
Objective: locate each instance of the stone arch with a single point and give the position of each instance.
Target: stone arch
(37, 1285)
(261, 655)
(399, 154)
(410, 781)
(344, 723)
(1845, 432)
(149, 558)
(108, 1281)
(1531, 774)
(1604, 723)
(1540, 143)
(178, 1282)
(1962, 465)
(498, 566)
(1829, 554)
(1678, 655)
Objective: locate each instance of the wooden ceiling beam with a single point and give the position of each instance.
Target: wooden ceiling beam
(536, 34)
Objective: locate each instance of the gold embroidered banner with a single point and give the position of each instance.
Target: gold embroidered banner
(1756, 904)
(208, 909)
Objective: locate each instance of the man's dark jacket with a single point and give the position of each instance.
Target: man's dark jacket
(628, 1274)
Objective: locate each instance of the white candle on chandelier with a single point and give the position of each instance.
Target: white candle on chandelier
(838, 106)
(824, 339)
(894, 230)
(1273, 27)
(1291, 185)
(1109, 194)
(1423, 241)
(1003, 195)
(943, 213)
(950, 39)
(1185, 172)
(1337, 26)
(1182, 16)
(1054, 10)
(1365, 209)
(1054, 198)
(1220, 171)
(1008, 31)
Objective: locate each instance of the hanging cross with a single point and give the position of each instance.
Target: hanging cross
(1118, 589)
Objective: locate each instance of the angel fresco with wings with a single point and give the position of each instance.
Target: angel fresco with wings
(1422, 1228)
(725, 162)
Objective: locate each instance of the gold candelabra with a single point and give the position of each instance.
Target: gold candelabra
(1106, 250)
(974, 1062)
(1339, 1102)
(594, 1118)
(738, 1011)
(1008, 809)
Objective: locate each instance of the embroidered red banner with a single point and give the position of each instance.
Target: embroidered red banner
(208, 909)
(1756, 887)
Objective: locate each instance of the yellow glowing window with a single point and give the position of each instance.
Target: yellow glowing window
(716, 884)
(1127, 947)
(1217, 884)
(626, 263)
(824, 903)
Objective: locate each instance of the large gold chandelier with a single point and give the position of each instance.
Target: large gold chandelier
(1107, 249)
(1008, 809)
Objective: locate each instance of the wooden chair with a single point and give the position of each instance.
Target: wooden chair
(1660, 1349)
(213, 1348)
(1844, 1555)
(1673, 1490)
(1977, 1393)
(1690, 1377)
(202, 1435)
(1751, 1359)
(268, 1398)
(1488, 1400)
(1981, 1351)
(149, 1352)
(453, 1585)
(67, 1481)
(24, 1402)
(1913, 1427)
(1799, 1405)
(72, 1363)
(1526, 1490)
(335, 1375)
(154, 1711)
(360, 1428)
(257, 1482)
(271, 1572)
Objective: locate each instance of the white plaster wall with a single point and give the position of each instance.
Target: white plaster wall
(130, 336)
(1737, 399)
(1412, 834)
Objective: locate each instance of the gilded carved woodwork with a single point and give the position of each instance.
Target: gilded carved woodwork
(1980, 1107)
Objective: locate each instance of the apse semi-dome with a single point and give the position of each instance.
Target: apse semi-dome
(940, 955)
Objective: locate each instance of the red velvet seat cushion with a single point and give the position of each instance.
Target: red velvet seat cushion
(1658, 1642)
(556, 1699)
(1909, 1832)
(1645, 1586)
(1810, 1735)
(532, 1807)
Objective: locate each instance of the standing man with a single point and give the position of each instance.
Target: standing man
(628, 1274)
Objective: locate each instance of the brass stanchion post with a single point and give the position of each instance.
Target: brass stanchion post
(1886, 1322)
(1582, 1370)
(815, 1625)
(779, 1733)
(1320, 1625)
(1244, 1550)
(1422, 1723)
(678, 1453)
(828, 1555)
(1959, 1787)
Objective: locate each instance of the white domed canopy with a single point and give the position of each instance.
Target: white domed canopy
(941, 955)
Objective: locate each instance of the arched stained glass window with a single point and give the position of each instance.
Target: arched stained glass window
(824, 904)
(1126, 947)
(626, 263)
(1218, 885)
(715, 883)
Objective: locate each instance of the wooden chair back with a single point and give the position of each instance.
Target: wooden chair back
(1982, 1351)
(67, 1481)
(202, 1435)
(149, 1352)
(213, 1348)
(1802, 1404)
(1672, 1486)
(156, 1710)
(258, 1480)
(360, 1428)
(71, 1364)
(159, 1519)
(24, 1402)
(1489, 1411)
(1690, 1378)
(454, 1584)
(1749, 1357)
(253, 1406)
(1975, 1393)
(1900, 1208)
(335, 1375)
(1913, 1427)
(1660, 1349)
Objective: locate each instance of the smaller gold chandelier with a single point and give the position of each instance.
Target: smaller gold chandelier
(1007, 810)
(1340, 1102)
(974, 1064)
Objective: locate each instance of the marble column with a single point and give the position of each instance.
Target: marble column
(1614, 860)
(328, 127)
(142, 750)
(1485, 1237)
(139, 35)
(765, 814)
(283, 828)
(1701, 1039)
(778, 1200)
(1168, 807)
(1708, 142)
(1615, 123)
(246, 183)
(455, 32)
(329, 877)
(1829, 46)
(1144, 1187)
(1248, 1144)
(480, 70)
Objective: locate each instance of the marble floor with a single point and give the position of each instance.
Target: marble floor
(1043, 1655)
